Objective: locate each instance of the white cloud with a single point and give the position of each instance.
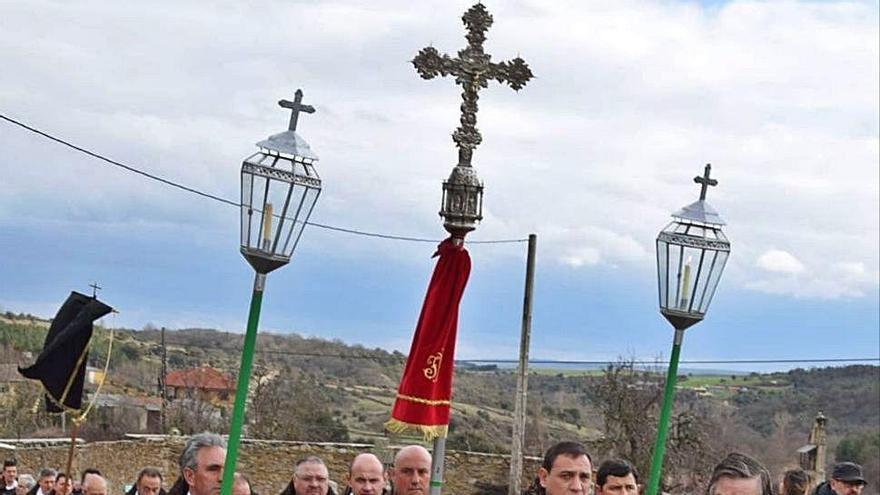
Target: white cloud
(779, 261)
(630, 99)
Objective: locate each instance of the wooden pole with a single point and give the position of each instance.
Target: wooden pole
(74, 427)
(522, 379)
(163, 387)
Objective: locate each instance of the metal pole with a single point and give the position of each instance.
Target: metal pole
(437, 461)
(244, 375)
(522, 379)
(663, 427)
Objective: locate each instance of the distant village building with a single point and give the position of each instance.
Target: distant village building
(10, 380)
(812, 455)
(203, 383)
(94, 376)
(127, 413)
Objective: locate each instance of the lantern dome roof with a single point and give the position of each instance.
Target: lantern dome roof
(700, 211)
(290, 143)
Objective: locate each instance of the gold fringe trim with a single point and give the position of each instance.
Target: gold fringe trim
(428, 402)
(429, 432)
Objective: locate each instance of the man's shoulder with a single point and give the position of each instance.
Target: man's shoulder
(823, 488)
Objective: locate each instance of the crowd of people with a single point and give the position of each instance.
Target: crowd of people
(567, 469)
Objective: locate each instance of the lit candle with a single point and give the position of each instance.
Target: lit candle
(267, 225)
(685, 286)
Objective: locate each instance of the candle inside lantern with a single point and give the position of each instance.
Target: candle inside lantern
(685, 286)
(267, 226)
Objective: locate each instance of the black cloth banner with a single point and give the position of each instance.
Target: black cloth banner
(61, 365)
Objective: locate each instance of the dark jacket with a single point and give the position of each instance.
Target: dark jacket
(823, 488)
(179, 487)
(290, 490)
(4, 491)
(385, 491)
(133, 491)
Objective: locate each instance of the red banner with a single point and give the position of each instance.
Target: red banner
(425, 394)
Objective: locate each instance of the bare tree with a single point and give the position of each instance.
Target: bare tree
(628, 399)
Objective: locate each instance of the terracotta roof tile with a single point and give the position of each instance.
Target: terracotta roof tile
(203, 378)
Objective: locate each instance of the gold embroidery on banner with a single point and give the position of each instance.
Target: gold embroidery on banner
(432, 372)
(419, 400)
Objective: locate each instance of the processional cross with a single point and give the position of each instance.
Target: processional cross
(473, 69)
(296, 107)
(705, 181)
(95, 288)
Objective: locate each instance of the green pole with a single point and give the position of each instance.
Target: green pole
(663, 427)
(244, 376)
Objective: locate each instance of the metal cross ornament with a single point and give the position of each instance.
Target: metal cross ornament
(705, 181)
(296, 107)
(95, 288)
(473, 69)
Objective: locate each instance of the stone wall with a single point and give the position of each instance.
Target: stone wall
(269, 464)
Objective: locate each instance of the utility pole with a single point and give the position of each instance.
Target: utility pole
(164, 372)
(522, 379)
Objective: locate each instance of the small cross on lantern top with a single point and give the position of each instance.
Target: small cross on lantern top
(473, 69)
(705, 181)
(296, 107)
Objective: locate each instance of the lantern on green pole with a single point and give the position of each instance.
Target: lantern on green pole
(279, 188)
(691, 254)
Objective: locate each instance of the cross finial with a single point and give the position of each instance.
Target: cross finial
(295, 107)
(705, 181)
(95, 288)
(473, 69)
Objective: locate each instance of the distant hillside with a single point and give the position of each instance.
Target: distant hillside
(345, 392)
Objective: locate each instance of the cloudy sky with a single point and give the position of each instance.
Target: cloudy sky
(630, 100)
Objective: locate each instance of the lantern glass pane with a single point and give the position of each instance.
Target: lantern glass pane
(293, 222)
(246, 211)
(663, 272)
(308, 196)
(257, 200)
(273, 219)
(712, 280)
(706, 268)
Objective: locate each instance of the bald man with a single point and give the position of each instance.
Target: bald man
(366, 475)
(94, 484)
(411, 474)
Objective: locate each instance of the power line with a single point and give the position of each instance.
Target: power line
(572, 362)
(223, 200)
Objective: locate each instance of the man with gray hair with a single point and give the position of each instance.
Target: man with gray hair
(739, 474)
(310, 477)
(45, 483)
(26, 483)
(201, 465)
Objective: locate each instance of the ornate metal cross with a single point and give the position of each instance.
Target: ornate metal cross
(473, 69)
(296, 107)
(705, 181)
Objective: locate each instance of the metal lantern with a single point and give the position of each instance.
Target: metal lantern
(691, 254)
(279, 188)
(462, 203)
